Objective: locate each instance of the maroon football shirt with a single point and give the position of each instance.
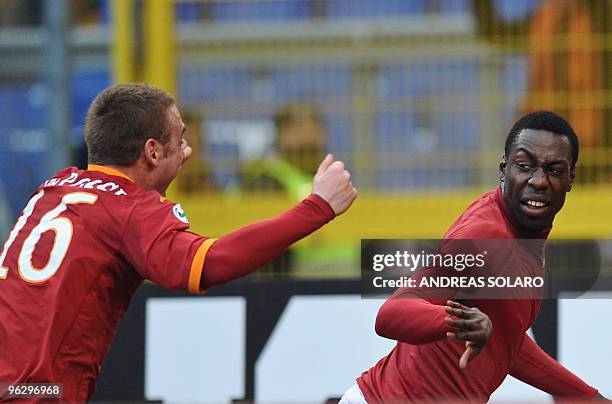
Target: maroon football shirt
(424, 365)
(85, 242)
(82, 246)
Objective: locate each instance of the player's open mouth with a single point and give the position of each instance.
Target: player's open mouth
(533, 207)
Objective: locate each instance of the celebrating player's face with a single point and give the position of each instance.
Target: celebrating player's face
(536, 178)
(176, 151)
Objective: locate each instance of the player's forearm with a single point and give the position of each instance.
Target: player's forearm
(535, 367)
(411, 320)
(243, 251)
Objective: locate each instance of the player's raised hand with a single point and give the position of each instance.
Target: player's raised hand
(472, 326)
(332, 182)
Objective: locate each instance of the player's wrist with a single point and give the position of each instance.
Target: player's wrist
(322, 204)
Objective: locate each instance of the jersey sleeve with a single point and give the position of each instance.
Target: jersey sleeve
(425, 306)
(413, 317)
(157, 243)
(535, 367)
(242, 251)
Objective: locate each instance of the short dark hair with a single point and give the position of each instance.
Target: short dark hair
(548, 121)
(121, 118)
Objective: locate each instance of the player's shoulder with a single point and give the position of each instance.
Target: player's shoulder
(151, 204)
(141, 204)
(110, 182)
(483, 219)
(113, 189)
(118, 194)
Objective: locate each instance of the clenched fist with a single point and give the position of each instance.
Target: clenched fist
(332, 182)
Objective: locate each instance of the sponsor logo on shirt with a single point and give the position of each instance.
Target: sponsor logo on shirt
(179, 213)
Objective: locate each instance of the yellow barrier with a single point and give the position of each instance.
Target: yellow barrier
(160, 58)
(124, 42)
(587, 214)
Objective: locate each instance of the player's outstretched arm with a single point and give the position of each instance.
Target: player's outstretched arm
(535, 367)
(241, 252)
(414, 316)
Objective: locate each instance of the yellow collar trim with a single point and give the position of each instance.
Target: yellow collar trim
(107, 170)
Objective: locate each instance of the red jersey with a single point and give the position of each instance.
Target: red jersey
(80, 249)
(424, 365)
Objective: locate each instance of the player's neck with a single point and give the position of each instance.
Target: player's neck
(137, 174)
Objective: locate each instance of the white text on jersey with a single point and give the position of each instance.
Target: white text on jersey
(86, 183)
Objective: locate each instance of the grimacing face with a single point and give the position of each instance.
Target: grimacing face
(535, 178)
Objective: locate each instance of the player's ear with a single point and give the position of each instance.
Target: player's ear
(152, 152)
(503, 164)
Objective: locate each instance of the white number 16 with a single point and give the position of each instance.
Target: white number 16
(62, 228)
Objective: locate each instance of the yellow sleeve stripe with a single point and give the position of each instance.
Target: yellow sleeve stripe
(197, 266)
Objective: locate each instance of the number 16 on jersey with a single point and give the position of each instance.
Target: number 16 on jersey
(51, 221)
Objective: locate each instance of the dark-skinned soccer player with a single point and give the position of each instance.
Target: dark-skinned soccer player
(450, 350)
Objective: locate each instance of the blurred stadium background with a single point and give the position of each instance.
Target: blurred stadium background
(415, 96)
